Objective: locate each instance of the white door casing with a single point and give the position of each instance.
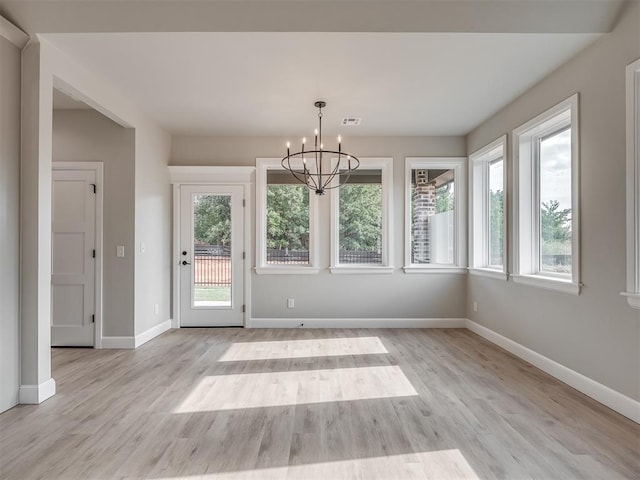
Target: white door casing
(194, 309)
(73, 278)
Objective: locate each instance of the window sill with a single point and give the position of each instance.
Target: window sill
(489, 273)
(344, 270)
(633, 299)
(433, 269)
(282, 270)
(549, 283)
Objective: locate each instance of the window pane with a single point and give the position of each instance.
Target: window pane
(432, 216)
(287, 220)
(555, 203)
(496, 213)
(360, 218)
(212, 250)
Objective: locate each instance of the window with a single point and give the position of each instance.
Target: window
(361, 219)
(546, 215)
(286, 221)
(488, 210)
(633, 184)
(434, 215)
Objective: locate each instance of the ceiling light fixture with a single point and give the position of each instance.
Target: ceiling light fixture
(306, 165)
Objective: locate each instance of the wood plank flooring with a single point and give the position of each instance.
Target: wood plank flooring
(304, 404)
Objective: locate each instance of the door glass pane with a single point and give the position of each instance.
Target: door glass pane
(360, 218)
(496, 213)
(287, 220)
(432, 216)
(212, 250)
(555, 203)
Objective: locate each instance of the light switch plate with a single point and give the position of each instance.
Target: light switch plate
(120, 251)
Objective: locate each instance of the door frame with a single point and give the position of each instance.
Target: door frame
(98, 168)
(211, 176)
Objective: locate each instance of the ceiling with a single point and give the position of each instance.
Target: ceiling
(255, 67)
(225, 83)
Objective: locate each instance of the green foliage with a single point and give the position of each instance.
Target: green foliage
(444, 198)
(555, 224)
(361, 217)
(288, 217)
(212, 219)
(496, 230)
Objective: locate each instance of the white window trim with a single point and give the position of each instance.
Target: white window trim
(525, 198)
(262, 267)
(385, 164)
(479, 162)
(633, 184)
(457, 164)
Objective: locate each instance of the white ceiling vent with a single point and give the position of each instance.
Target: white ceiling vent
(351, 122)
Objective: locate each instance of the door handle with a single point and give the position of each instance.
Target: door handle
(184, 262)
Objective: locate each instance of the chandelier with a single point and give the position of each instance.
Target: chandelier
(307, 165)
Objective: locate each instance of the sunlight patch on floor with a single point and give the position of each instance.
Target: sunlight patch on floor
(441, 464)
(327, 347)
(272, 389)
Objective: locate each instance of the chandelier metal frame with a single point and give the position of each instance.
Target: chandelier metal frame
(320, 180)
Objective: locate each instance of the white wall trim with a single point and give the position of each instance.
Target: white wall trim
(525, 201)
(263, 165)
(35, 394)
(12, 33)
(119, 342)
(433, 269)
(344, 269)
(632, 298)
(479, 204)
(385, 165)
(152, 333)
(548, 283)
(357, 323)
(489, 273)
(622, 404)
(633, 182)
(458, 165)
(286, 270)
(210, 176)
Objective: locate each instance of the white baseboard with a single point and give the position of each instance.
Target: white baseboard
(35, 394)
(622, 404)
(356, 323)
(119, 342)
(152, 333)
(135, 342)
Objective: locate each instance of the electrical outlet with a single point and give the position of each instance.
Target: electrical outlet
(291, 302)
(475, 306)
(120, 251)
(143, 247)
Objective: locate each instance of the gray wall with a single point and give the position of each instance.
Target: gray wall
(596, 333)
(153, 228)
(9, 224)
(88, 136)
(397, 295)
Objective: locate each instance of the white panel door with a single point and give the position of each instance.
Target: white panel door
(73, 258)
(211, 256)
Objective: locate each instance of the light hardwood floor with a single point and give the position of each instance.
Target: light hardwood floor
(304, 404)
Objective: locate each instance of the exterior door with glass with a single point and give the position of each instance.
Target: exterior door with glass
(211, 256)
